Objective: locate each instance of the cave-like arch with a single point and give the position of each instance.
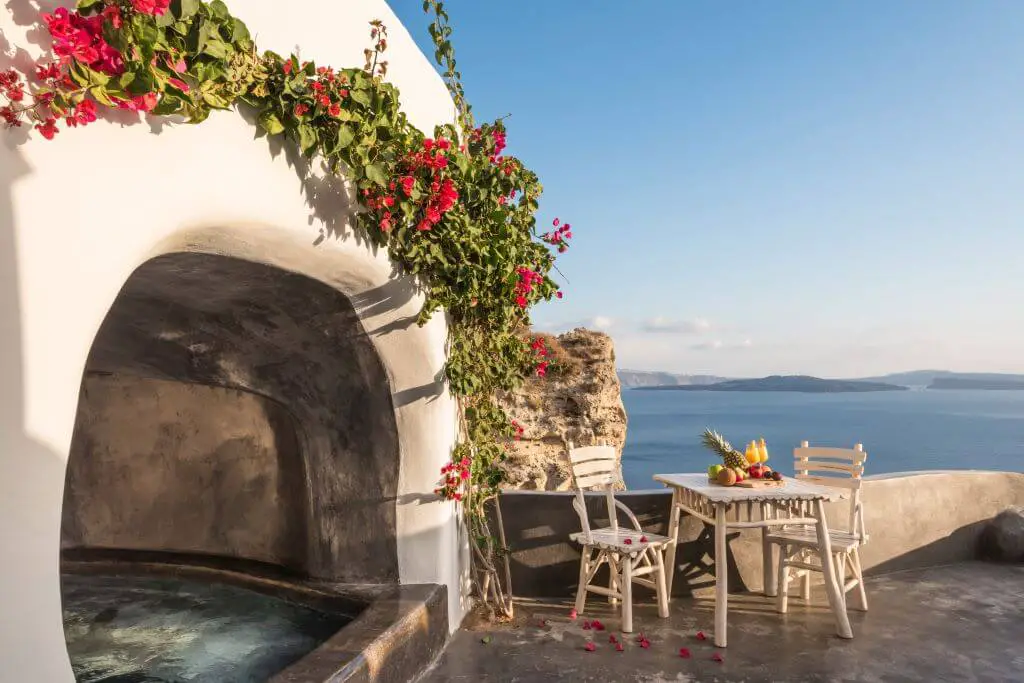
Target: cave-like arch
(300, 469)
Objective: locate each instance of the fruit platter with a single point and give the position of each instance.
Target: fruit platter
(747, 470)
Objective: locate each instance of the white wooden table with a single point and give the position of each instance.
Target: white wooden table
(731, 507)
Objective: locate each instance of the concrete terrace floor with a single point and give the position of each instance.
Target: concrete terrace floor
(957, 623)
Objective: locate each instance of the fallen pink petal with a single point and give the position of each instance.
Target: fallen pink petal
(628, 541)
(643, 539)
(612, 638)
(618, 647)
(684, 653)
(701, 636)
(597, 625)
(717, 657)
(572, 614)
(590, 647)
(586, 625)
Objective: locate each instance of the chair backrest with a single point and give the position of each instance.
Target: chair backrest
(594, 467)
(839, 467)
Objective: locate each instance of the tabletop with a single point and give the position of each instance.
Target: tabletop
(791, 489)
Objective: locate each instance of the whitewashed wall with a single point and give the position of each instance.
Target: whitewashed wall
(79, 214)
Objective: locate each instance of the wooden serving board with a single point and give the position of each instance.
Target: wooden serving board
(753, 483)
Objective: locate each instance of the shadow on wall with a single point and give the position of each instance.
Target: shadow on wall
(31, 479)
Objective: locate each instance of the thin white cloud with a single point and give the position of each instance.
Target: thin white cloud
(662, 324)
(718, 344)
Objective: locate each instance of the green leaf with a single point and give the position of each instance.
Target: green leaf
(100, 95)
(360, 96)
(269, 121)
(142, 83)
(216, 48)
(307, 138)
(216, 101)
(239, 31)
(345, 137)
(146, 32)
(375, 173)
(167, 106)
(219, 10)
(83, 5)
(183, 9)
(165, 20)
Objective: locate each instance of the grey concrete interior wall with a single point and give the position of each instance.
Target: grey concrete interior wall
(222, 322)
(913, 520)
(196, 469)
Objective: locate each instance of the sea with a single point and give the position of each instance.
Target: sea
(901, 431)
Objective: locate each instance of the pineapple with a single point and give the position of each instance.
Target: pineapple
(729, 455)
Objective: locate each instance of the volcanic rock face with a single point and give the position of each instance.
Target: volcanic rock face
(579, 401)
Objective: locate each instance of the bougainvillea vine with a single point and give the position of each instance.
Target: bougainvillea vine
(451, 208)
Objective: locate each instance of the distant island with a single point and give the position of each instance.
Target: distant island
(916, 379)
(988, 384)
(798, 383)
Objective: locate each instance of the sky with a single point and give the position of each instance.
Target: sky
(793, 187)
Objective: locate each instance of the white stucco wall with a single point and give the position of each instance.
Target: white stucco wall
(79, 214)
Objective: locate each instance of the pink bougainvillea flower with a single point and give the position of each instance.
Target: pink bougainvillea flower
(628, 541)
(586, 625)
(555, 222)
(45, 72)
(684, 653)
(612, 639)
(590, 647)
(718, 657)
(287, 67)
(701, 636)
(301, 109)
(558, 295)
(408, 183)
(179, 84)
(112, 13)
(618, 647)
(645, 643)
(643, 539)
(335, 110)
(597, 625)
(572, 614)
(154, 8)
(48, 129)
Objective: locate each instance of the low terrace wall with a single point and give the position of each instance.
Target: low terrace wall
(916, 519)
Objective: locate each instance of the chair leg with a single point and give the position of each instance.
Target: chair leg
(660, 578)
(840, 565)
(859, 573)
(581, 590)
(782, 583)
(627, 593)
(613, 574)
(805, 582)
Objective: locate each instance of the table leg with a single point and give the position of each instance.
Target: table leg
(767, 566)
(835, 596)
(673, 533)
(721, 574)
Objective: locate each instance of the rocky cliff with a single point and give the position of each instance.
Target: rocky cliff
(579, 401)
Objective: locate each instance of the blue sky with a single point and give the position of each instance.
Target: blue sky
(833, 188)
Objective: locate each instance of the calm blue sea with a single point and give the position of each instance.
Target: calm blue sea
(900, 430)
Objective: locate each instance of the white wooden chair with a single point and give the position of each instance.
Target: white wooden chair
(798, 544)
(629, 560)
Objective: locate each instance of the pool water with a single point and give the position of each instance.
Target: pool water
(155, 630)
